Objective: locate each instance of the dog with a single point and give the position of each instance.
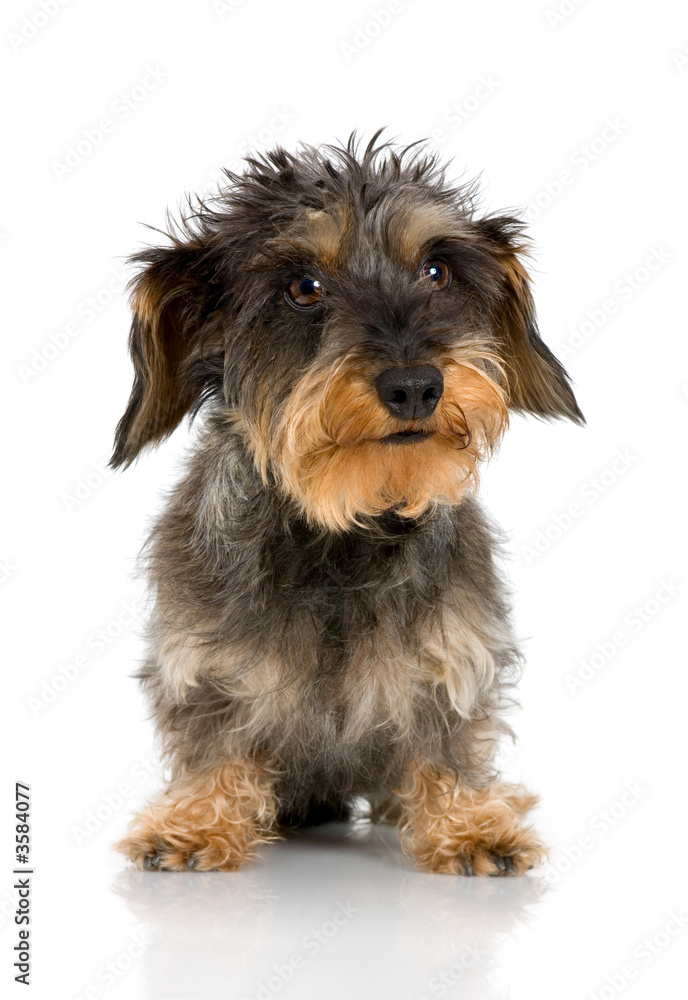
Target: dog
(329, 625)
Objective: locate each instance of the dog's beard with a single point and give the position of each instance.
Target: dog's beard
(329, 446)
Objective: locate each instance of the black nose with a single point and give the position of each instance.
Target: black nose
(410, 393)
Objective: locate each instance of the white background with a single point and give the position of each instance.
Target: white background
(514, 92)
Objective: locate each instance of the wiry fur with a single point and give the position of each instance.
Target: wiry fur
(327, 608)
(213, 820)
(461, 830)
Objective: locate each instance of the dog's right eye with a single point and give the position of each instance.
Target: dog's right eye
(437, 273)
(304, 292)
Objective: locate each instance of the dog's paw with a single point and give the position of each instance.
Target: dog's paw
(470, 831)
(512, 858)
(501, 846)
(168, 850)
(207, 822)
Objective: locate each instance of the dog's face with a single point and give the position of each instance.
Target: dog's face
(365, 332)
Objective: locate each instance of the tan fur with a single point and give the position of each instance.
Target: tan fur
(144, 301)
(183, 659)
(160, 392)
(421, 225)
(187, 656)
(448, 828)
(385, 679)
(459, 644)
(214, 820)
(328, 451)
(269, 700)
(163, 349)
(326, 233)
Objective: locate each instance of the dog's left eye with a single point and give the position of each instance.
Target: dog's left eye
(304, 292)
(437, 273)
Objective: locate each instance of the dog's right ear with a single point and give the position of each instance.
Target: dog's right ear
(176, 342)
(537, 381)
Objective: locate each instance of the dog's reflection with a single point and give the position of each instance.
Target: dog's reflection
(332, 912)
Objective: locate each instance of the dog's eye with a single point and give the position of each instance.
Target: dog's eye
(436, 272)
(304, 292)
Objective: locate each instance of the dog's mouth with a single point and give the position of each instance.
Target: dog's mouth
(406, 437)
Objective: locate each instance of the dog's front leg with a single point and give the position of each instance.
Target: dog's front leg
(205, 820)
(448, 827)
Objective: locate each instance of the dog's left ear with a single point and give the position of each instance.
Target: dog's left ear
(176, 342)
(537, 382)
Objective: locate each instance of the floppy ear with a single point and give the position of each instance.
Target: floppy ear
(538, 383)
(175, 342)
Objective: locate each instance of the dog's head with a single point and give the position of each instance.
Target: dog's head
(364, 331)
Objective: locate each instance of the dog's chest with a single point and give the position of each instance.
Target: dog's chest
(368, 634)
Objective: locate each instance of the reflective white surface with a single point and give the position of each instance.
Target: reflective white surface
(339, 912)
(330, 913)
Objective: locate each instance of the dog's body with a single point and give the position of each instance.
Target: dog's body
(328, 620)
